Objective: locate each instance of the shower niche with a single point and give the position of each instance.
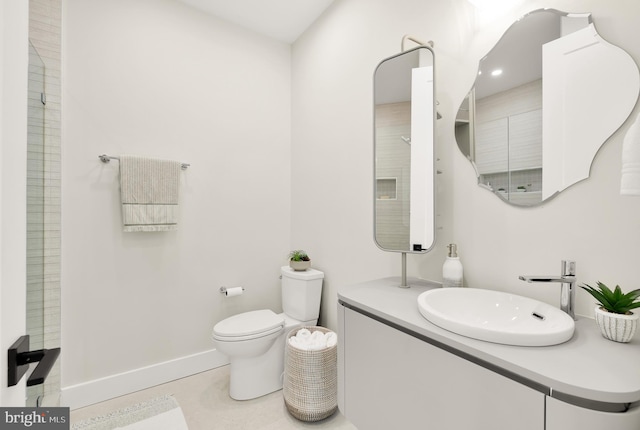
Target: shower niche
(386, 188)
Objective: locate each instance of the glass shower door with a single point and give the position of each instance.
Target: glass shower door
(35, 212)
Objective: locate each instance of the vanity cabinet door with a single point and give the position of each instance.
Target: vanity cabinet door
(563, 416)
(395, 381)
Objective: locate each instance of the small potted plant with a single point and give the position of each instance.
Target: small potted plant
(613, 315)
(299, 260)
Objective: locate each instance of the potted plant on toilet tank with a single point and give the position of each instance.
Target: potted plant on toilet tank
(299, 260)
(614, 316)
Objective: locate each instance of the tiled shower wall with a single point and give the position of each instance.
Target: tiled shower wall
(393, 163)
(35, 210)
(45, 19)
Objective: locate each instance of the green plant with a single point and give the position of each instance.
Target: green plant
(299, 255)
(614, 301)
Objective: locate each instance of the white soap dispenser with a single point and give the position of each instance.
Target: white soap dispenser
(452, 269)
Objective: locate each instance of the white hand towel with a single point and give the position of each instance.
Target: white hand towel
(630, 179)
(149, 192)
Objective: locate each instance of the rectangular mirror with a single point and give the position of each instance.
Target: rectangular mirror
(404, 124)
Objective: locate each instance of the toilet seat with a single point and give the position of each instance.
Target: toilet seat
(248, 325)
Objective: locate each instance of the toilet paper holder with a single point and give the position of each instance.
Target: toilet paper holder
(223, 290)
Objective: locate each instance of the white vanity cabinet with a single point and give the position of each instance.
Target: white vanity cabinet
(395, 381)
(563, 416)
(398, 371)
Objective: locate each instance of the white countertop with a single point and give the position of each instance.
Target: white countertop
(588, 366)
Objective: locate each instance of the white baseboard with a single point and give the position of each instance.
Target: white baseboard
(99, 390)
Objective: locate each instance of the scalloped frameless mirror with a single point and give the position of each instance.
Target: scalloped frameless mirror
(545, 99)
(404, 124)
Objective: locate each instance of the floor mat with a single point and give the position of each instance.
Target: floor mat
(160, 413)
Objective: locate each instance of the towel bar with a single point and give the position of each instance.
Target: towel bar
(106, 158)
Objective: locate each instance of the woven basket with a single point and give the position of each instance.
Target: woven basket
(310, 380)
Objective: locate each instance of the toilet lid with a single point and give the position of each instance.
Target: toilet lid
(248, 323)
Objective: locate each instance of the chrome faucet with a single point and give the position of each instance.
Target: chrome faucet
(567, 279)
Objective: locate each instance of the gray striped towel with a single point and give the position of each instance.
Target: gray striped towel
(149, 193)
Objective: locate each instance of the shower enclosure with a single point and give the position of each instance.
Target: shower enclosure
(40, 302)
(43, 191)
(35, 211)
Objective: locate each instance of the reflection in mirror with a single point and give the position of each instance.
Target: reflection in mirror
(546, 97)
(404, 118)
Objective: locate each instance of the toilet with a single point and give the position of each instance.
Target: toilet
(255, 341)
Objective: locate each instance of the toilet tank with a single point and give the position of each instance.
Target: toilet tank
(301, 293)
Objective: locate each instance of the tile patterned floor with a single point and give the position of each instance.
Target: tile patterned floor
(206, 404)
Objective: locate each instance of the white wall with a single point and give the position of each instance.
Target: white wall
(332, 146)
(14, 27)
(333, 65)
(282, 158)
(155, 77)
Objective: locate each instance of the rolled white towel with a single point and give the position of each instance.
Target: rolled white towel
(293, 341)
(331, 339)
(316, 341)
(317, 337)
(303, 333)
(304, 344)
(315, 346)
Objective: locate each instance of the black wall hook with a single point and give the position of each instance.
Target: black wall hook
(20, 357)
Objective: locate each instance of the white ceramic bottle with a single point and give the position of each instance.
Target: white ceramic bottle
(452, 273)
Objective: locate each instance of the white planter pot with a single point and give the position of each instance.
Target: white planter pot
(299, 266)
(616, 327)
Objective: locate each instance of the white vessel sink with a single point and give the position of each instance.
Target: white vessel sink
(495, 316)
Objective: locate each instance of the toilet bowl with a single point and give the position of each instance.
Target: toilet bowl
(255, 341)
